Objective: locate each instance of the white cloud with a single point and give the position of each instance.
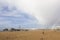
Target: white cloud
(5, 22)
(46, 11)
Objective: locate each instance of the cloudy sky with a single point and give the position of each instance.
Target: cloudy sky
(29, 13)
